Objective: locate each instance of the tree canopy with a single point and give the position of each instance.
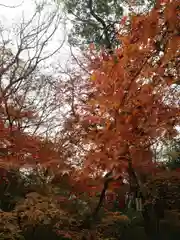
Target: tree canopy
(98, 21)
(81, 153)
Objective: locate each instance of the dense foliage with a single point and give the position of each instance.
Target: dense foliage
(100, 174)
(98, 21)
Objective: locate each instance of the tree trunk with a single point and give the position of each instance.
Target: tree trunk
(151, 220)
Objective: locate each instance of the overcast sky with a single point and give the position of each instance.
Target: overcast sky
(13, 14)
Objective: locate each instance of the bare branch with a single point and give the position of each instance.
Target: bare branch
(14, 6)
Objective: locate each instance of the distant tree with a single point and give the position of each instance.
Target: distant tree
(172, 153)
(97, 22)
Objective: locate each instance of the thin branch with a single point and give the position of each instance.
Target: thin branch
(7, 6)
(101, 21)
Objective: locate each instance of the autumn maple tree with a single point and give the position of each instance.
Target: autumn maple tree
(103, 148)
(134, 97)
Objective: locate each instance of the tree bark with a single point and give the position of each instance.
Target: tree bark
(151, 221)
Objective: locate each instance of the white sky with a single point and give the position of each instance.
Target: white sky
(10, 16)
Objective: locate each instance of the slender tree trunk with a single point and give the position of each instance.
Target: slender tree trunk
(151, 221)
(90, 221)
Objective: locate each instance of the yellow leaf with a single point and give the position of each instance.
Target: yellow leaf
(93, 77)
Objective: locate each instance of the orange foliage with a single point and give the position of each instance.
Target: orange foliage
(22, 149)
(134, 103)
